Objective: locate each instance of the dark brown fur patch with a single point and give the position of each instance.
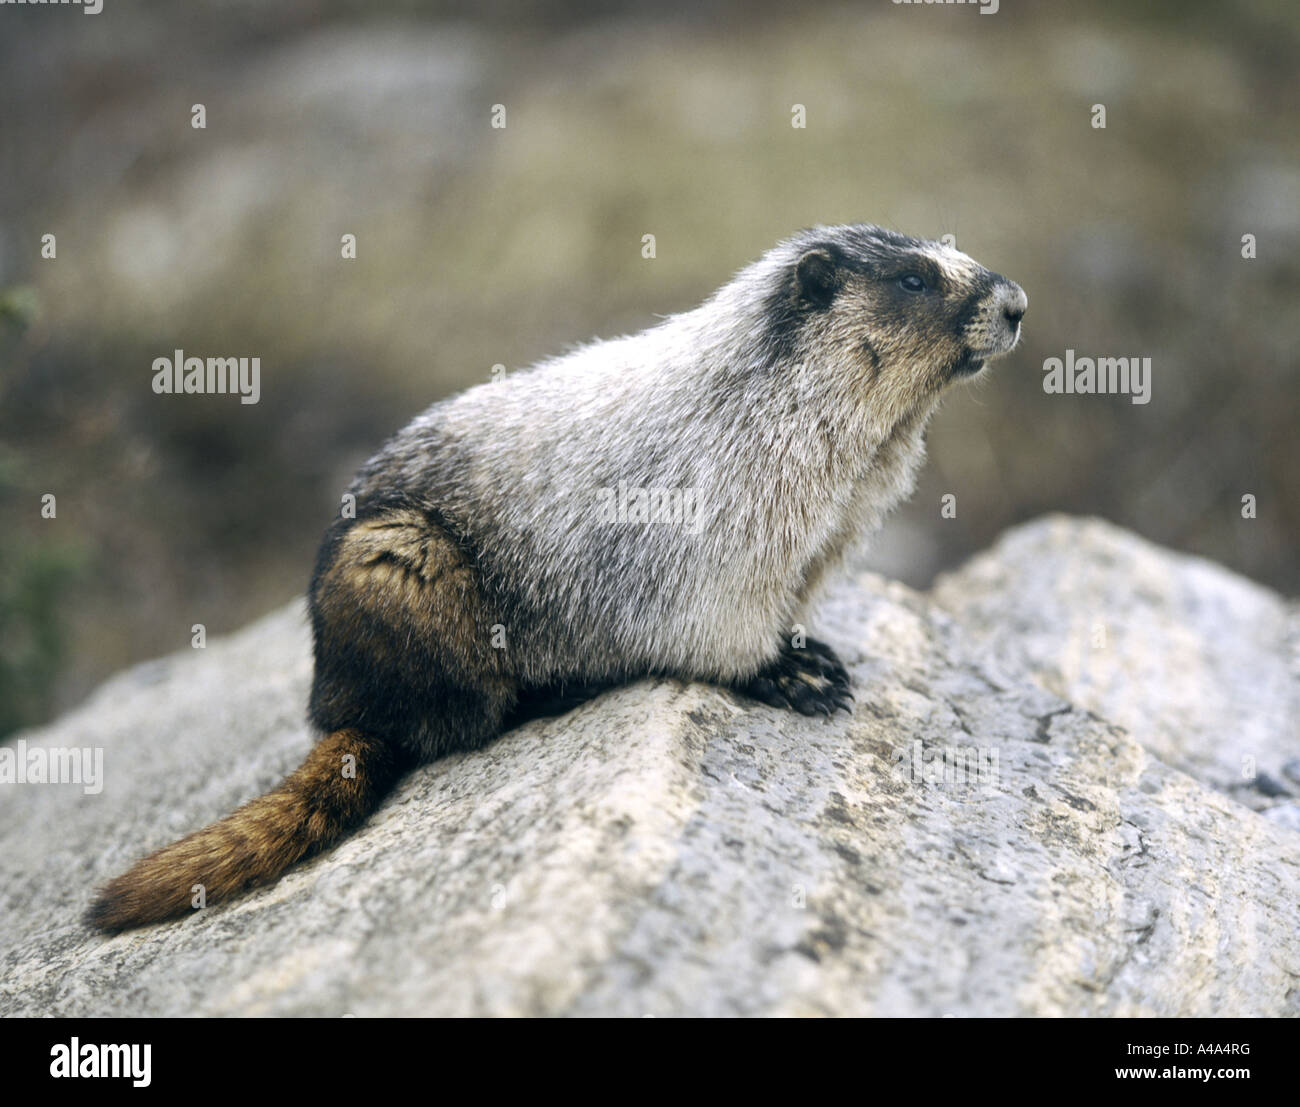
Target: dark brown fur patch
(404, 636)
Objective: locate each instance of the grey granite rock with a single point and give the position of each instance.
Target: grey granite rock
(672, 849)
(1201, 666)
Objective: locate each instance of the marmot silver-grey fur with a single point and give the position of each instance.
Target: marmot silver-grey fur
(514, 551)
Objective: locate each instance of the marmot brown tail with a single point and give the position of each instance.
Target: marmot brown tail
(342, 781)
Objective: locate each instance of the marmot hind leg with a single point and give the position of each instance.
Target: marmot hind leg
(811, 680)
(404, 637)
(405, 671)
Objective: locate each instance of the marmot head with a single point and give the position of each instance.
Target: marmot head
(902, 315)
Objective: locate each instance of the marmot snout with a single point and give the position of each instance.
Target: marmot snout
(995, 329)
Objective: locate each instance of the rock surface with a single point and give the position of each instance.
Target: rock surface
(1201, 666)
(672, 849)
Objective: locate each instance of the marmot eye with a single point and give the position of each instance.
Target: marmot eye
(911, 283)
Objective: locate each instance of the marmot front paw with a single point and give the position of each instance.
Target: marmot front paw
(811, 680)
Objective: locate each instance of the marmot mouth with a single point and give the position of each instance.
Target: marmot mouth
(970, 363)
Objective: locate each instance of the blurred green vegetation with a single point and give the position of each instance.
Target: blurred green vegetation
(36, 579)
(33, 635)
(479, 246)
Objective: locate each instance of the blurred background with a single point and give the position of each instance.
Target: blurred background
(478, 246)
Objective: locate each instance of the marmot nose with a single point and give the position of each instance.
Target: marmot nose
(1014, 303)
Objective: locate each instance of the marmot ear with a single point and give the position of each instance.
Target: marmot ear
(816, 277)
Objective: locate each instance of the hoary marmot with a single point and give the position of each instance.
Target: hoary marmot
(660, 504)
